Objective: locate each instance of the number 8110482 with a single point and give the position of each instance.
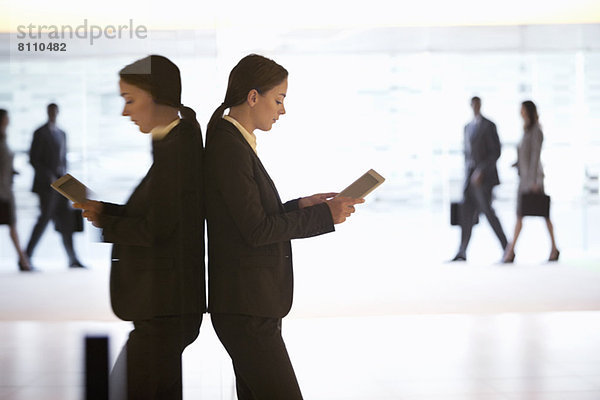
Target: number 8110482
(41, 46)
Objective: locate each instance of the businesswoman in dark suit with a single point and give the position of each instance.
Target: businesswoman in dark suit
(8, 216)
(249, 230)
(531, 174)
(157, 274)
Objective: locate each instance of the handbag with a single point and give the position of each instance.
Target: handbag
(4, 212)
(456, 208)
(535, 204)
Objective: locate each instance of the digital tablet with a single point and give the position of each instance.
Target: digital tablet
(363, 185)
(71, 188)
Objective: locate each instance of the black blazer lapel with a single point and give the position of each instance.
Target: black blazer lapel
(238, 135)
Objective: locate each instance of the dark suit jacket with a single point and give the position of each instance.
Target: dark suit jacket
(482, 150)
(249, 230)
(48, 155)
(158, 235)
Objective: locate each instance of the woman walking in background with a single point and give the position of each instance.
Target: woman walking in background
(531, 174)
(8, 212)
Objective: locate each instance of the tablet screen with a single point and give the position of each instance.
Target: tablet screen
(362, 186)
(71, 188)
(75, 189)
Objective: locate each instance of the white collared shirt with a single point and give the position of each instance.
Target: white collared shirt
(159, 132)
(250, 137)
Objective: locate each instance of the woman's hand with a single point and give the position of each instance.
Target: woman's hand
(315, 199)
(91, 211)
(342, 207)
(536, 188)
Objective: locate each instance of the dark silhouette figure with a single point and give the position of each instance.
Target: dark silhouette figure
(7, 198)
(157, 273)
(48, 155)
(531, 175)
(250, 254)
(482, 150)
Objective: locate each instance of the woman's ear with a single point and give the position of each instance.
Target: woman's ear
(252, 97)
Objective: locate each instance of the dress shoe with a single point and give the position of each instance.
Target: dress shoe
(77, 264)
(508, 258)
(459, 257)
(554, 255)
(23, 267)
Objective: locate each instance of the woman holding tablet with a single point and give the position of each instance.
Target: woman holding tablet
(250, 255)
(157, 274)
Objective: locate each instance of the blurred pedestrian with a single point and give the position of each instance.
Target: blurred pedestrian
(8, 212)
(482, 150)
(48, 156)
(531, 175)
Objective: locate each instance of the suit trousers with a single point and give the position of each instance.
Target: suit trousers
(149, 366)
(478, 199)
(55, 207)
(263, 370)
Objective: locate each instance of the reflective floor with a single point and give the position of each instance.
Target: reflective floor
(500, 356)
(378, 314)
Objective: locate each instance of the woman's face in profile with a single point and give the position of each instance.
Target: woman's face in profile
(524, 115)
(269, 106)
(138, 106)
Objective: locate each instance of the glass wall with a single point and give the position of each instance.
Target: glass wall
(395, 100)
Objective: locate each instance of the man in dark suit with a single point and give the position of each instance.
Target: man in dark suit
(48, 155)
(482, 150)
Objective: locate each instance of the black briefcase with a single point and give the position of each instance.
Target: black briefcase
(71, 221)
(78, 220)
(535, 204)
(455, 214)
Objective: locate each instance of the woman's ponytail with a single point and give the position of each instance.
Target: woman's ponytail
(189, 115)
(214, 120)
